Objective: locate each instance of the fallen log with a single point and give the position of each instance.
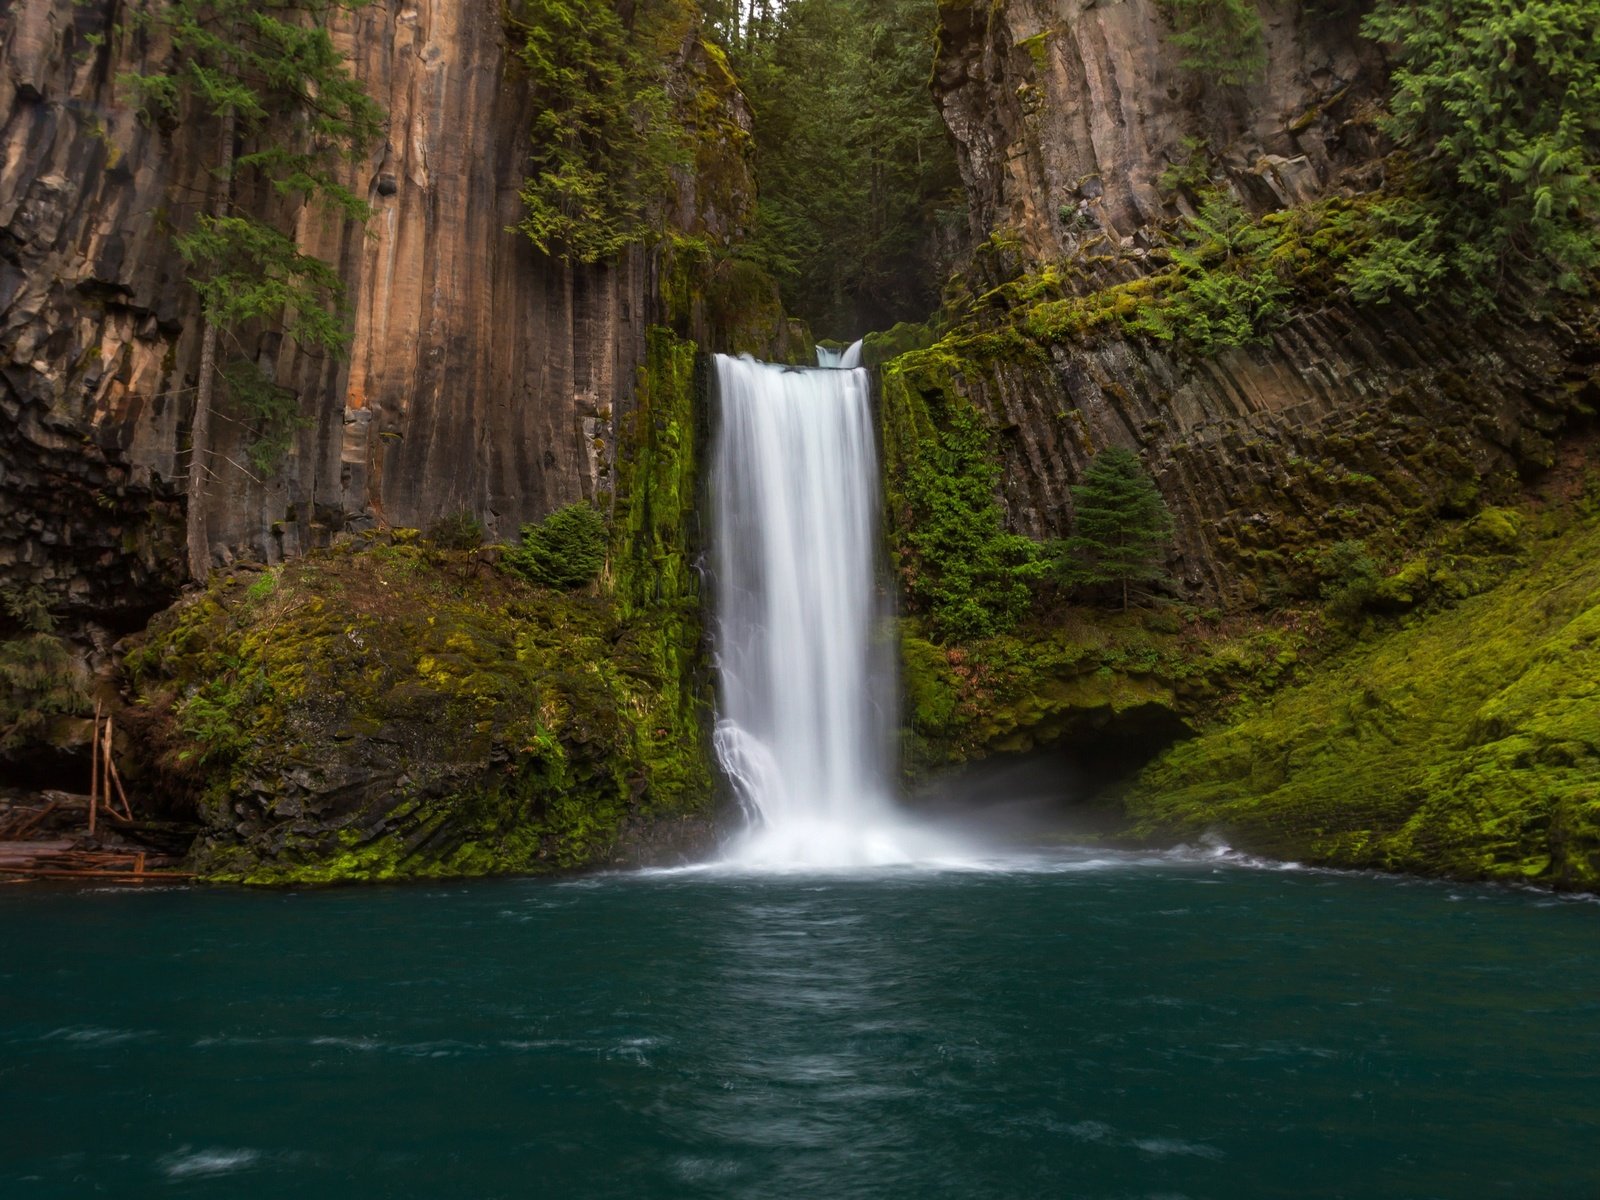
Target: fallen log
(27, 826)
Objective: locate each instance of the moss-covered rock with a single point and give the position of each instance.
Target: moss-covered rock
(1064, 681)
(392, 708)
(388, 710)
(1463, 743)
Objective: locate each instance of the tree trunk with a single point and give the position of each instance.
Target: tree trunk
(200, 432)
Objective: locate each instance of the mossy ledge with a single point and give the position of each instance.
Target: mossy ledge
(391, 709)
(1465, 743)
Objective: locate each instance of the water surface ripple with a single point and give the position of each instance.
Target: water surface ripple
(1088, 1027)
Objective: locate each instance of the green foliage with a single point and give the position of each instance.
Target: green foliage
(458, 531)
(566, 550)
(853, 163)
(40, 677)
(1229, 291)
(1192, 172)
(1232, 279)
(605, 137)
(961, 567)
(273, 81)
(271, 410)
(1350, 579)
(1404, 259)
(298, 112)
(1498, 102)
(1122, 529)
(467, 722)
(212, 716)
(246, 270)
(1464, 743)
(1221, 39)
(1067, 681)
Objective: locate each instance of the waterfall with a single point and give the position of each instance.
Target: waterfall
(807, 698)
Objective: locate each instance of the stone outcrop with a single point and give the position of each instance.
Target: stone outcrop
(481, 377)
(1345, 424)
(1342, 422)
(1065, 113)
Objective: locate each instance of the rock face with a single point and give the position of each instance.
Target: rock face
(1343, 422)
(481, 376)
(1344, 425)
(1065, 113)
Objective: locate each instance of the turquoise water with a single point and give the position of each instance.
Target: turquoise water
(1115, 1027)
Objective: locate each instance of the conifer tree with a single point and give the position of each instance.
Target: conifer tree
(605, 139)
(1498, 102)
(854, 165)
(1123, 528)
(285, 110)
(39, 675)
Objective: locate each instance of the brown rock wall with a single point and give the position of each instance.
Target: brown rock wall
(1345, 424)
(481, 376)
(1080, 104)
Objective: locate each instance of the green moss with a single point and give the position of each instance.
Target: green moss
(1052, 681)
(880, 347)
(1463, 744)
(1037, 49)
(393, 709)
(956, 560)
(655, 545)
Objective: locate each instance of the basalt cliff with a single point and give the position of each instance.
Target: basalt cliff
(1337, 481)
(482, 377)
(1353, 475)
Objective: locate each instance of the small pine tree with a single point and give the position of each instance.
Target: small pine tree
(1123, 528)
(566, 550)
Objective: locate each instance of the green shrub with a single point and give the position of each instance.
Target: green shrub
(1229, 292)
(566, 550)
(961, 566)
(1350, 579)
(1498, 104)
(458, 531)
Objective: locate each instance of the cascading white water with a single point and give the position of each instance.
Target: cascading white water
(807, 684)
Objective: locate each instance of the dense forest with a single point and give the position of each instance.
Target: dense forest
(855, 171)
(860, 203)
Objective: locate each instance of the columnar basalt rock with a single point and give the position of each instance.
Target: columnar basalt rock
(1066, 113)
(481, 375)
(1343, 422)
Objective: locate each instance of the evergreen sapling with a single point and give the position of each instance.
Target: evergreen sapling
(1123, 528)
